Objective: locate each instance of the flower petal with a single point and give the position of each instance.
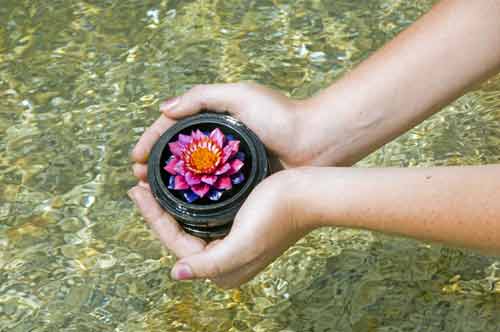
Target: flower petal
(200, 189)
(176, 148)
(190, 196)
(192, 179)
(238, 178)
(218, 137)
(230, 150)
(185, 139)
(180, 183)
(230, 137)
(236, 165)
(170, 166)
(215, 195)
(223, 169)
(209, 179)
(180, 167)
(171, 182)
(224, 183)
(198, 135)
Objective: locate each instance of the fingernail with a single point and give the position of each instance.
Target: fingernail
(167, 105)
(182, 272)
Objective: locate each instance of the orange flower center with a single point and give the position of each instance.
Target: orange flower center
(203, 157)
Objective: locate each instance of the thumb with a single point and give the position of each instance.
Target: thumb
(213, 262)
(214, 97)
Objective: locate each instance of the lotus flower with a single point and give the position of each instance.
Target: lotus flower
(204, 164)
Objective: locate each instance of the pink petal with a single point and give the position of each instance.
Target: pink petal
(200, 189)
(184, 139)
(226, 153)
(192, 179)
(224, 183)
(235, 145)
(170, 167)
(180, 183)
(209, 179)
(217, 136)
(180, 167)
(230, 150)
(198, 135)
(223, 169)
(236, 165)
(176, 148)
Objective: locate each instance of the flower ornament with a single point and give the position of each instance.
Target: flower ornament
(204, 164)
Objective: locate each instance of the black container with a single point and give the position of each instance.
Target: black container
(204, 218)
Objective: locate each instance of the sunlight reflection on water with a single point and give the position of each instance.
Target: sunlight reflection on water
(79, 82)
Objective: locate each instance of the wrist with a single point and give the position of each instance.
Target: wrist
(337, 127)
(299, 197)
(326, 196)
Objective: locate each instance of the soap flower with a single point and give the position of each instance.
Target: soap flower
(204, 164)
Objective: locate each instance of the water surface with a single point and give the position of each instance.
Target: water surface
(79, 83)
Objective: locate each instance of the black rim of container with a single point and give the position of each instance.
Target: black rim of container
(197, 217)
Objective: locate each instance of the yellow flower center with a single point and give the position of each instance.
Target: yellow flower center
(203, 157)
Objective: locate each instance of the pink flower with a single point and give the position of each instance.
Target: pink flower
(204, 164)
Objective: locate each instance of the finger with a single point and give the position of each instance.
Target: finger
(214, 97)
(241, 275)
(166, 228)
(235, 279)
(140, 171)
(221, 258)
(143, 147)
(144, 185)
(231, 279)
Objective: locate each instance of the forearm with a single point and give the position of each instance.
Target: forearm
(448, 50)
(454, 205)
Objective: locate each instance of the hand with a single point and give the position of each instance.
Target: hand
(280, 122)
(268, 223)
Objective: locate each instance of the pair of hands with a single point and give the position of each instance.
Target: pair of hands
(271, 219)
(383, 97)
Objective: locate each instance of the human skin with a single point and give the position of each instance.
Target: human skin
(449, 50)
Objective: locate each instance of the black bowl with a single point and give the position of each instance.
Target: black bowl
(205, 218)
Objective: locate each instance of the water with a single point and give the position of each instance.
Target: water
(79, 82)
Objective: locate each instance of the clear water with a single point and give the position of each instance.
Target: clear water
(79, 82)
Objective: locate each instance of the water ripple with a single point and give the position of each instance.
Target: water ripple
(80, 81)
